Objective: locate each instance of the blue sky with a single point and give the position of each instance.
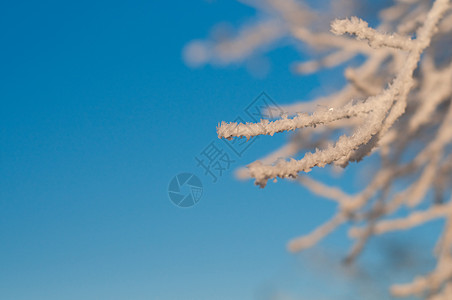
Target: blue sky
(98, 113)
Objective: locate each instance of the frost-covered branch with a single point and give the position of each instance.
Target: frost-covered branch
(376, 39)
(266, 127)
(396, 106)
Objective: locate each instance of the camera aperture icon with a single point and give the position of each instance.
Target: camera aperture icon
(185, 190)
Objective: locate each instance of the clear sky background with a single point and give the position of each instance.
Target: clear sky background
(98, 112)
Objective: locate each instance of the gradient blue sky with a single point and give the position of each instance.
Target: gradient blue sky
(98, 113)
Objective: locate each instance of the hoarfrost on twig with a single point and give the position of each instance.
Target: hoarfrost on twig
(398, 98)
